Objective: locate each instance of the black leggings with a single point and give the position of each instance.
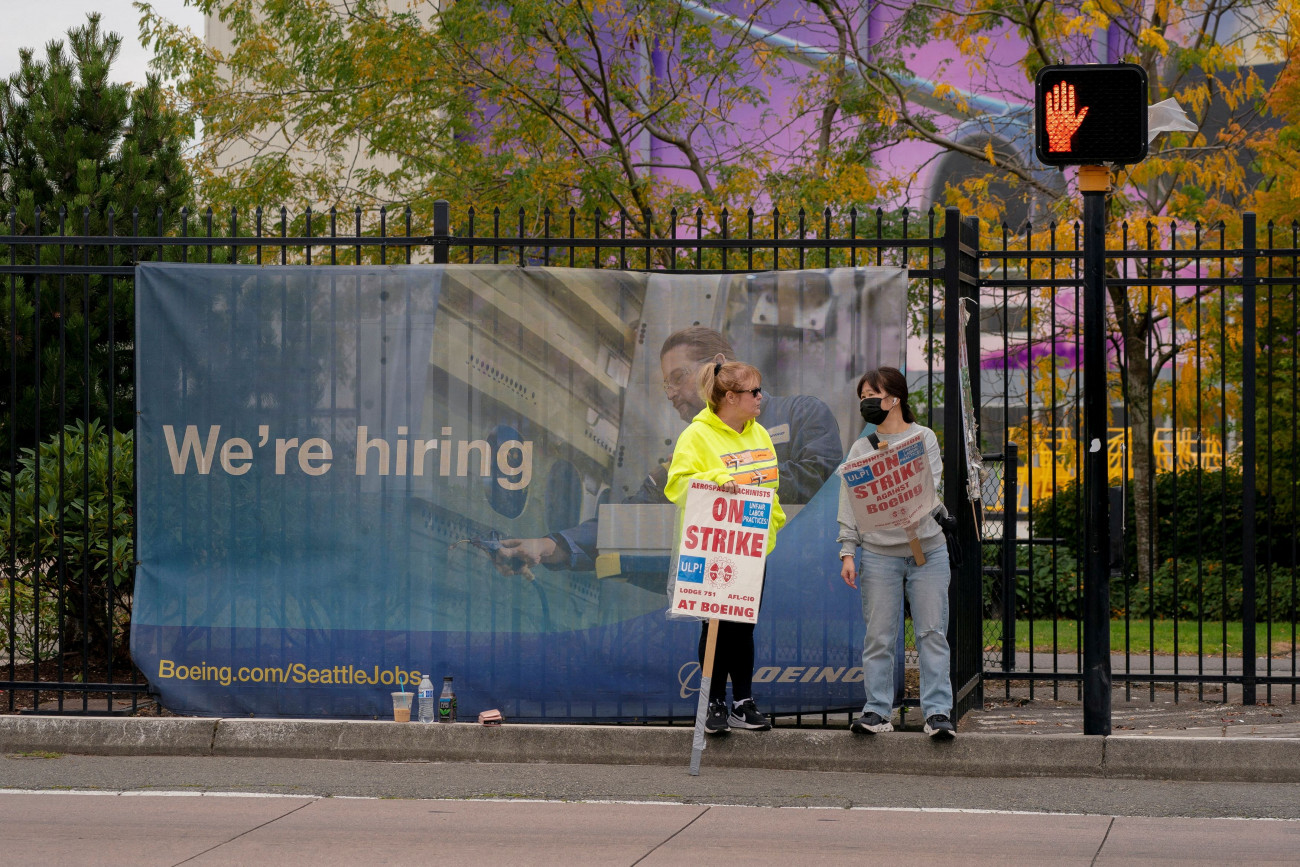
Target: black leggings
(733, 656)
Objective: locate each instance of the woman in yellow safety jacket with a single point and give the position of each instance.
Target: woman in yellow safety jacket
(724, 444)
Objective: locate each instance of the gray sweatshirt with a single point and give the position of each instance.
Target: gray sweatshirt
(891, 543)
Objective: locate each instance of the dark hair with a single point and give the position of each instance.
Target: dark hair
(705, 342)
(715, 382)
(888, 381)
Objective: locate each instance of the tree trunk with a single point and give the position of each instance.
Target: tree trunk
(1137, 380)
(1141, 459)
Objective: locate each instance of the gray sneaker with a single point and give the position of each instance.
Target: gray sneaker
(871, 723)
(940, 727)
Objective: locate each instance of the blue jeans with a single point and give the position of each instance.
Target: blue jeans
(900, 661)
(884, 580)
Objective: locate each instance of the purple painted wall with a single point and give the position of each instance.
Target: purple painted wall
(787, 25)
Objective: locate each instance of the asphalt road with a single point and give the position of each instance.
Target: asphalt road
(729, 786)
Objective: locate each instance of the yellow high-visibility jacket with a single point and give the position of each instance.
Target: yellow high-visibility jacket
(710, 450)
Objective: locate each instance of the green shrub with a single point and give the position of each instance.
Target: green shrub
(68, 538)
(33, 627)
(1053, 587)
(1199, 514)
(1207, 590)
(1199, 520)
(1185, 587)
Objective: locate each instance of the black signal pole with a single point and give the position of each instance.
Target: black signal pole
(1094, 182)
(1086, 115)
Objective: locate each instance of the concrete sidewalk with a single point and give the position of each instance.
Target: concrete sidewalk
(1210, 757)
(173, 829)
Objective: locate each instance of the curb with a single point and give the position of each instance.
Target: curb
(107, 736)
(1212, 759)
(970, 755)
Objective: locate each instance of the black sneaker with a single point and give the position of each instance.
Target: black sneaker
(871, 723)
(744, 715)
(940, 727)
(716, 722)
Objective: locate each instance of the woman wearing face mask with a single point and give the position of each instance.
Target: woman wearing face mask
(889, 570)
(724, 444)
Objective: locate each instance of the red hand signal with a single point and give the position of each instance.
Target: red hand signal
(1062, 122)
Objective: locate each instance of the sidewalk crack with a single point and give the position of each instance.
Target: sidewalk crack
(670, 837)
(245, 833)
(1104, 838)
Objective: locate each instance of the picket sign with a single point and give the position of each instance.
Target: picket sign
(892, 488)
(718, 570)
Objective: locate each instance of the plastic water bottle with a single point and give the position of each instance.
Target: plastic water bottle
(426, 700)
(447, 702)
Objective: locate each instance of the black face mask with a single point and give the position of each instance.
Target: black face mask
(872, 413)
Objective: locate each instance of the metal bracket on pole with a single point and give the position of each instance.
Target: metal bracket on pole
(1094, 179)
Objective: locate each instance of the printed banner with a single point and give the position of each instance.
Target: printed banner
(891, 488)
(719, 571)
(353, 476)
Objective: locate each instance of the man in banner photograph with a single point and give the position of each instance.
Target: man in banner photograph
(804, 432)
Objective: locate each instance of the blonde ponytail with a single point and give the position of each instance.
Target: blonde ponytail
(720, 376)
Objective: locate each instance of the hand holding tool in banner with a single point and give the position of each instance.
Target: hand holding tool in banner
(491, 545)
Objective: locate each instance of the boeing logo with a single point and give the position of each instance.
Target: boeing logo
(688, 676)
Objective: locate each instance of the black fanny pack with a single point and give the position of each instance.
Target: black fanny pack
(948, 524)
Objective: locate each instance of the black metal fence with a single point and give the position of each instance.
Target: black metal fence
(1202, 458)
(67, 411)
(1204, 586)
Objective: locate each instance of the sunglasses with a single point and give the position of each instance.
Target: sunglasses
(754, 391)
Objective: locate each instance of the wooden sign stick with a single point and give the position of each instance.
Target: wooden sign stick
(917, 554)
(706, 683)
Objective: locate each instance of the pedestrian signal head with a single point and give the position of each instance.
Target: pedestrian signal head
(1090, 114)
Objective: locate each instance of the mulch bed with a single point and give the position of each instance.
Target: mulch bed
(73, 700)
